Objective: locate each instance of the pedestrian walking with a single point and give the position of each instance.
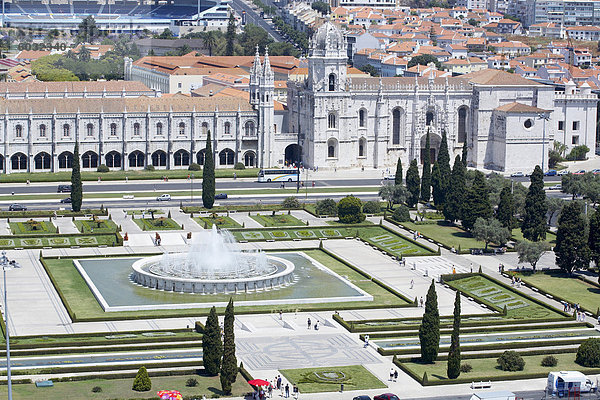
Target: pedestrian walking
(366, 341)
(412, 283)
(287, 390)
(421, 301)
(295, 391)
(280, 315)
(391, 374)
(395, 375)
(278, 382)
(317, 325)
(270, 391)
(309, 323)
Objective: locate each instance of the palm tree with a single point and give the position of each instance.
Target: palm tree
(210, 42)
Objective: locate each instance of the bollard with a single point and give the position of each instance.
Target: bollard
(342, 388)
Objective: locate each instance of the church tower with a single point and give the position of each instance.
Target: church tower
(327, 60)
(262, 88)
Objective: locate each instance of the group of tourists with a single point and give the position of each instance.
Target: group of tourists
(309, 324)
(393, 374)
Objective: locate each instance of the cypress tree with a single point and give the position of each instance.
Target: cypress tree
(536, 207)
(412, 183)
(571, 250)
(429, 331)
(426, 177)
(76, 187)
(594, 238)
(229, 368)
(506, 209)
(444, 164)
(398, 178)
(436, 186)
(230, 35)
(208, 175)
(142, 382)
(456, 192)
(477, 202)
(465, 153)
(454, 353)
(212, 347)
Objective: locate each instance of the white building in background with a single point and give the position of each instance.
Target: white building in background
(561, 12)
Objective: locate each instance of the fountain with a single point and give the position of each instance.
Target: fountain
(213, 265)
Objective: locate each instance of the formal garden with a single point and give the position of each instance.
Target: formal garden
(330, 379)
(277, 219)
(32, 227)
(95, 225)
(221, 221)
(157, 224)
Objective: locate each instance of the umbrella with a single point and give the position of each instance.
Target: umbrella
(169, 395)
(259, 382)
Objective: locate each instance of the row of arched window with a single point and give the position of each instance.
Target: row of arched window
(249, 129)
(332, 148)
(136, 159)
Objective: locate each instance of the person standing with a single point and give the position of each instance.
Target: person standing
(278, 382)
(395, 375)
(366, 341)
(412, 283)
(287, 390)
(309, 323)
(391, 374)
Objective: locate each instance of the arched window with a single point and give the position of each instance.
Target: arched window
(113, 159)
(89, 159)
(159, 159)
(462, 124)
(332, 82)
(136, 159)
(42, 160)
(227, 128)
(182, 128)
(18, 131)
(159, 129)
(65, 159)
(136, 129)
(226, 157)
(397, 125)
(332, 148)
(66, 130)
(18, 162)
(113, 129)
(249, 128)
(249, 159)
(429, 118)
(331, 121)
(90, 129)
(182, 158)
(362, 118)
(204, 129)
(201, 156)
(362, 147)
(42, 130)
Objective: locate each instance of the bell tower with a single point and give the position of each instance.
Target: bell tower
(327, 60)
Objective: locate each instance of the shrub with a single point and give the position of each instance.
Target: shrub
(578, 153)
(371, 207)
(326, 207)
(149, 167)
(239, 165)
(549, 361)
(102, 168)
(290, 202)
(350, 210)
(401, 213)
(191, 382)
(511, 361)
(96, 389)
(588, 354)
(194, 167)
(142, 382)
(466, 367)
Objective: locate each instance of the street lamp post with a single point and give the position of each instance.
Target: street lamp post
(7, 265)
(545, 117)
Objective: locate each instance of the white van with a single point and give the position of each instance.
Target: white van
(565, 382)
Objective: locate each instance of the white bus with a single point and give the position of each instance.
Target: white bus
(278, 175)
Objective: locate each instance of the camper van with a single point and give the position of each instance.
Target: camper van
(565, 382)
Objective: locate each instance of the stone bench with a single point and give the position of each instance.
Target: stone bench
(481, 385)
(128, 197)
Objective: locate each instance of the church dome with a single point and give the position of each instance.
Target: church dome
(328, 37)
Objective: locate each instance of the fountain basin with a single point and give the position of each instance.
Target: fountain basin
(280, 273)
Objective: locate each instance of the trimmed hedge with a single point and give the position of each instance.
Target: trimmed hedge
(50, 213)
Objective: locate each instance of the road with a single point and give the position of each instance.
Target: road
(253, 18)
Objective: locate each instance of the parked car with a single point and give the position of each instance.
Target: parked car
(550, 172)
(580, 172)
(164, 197)
(517, 174)
(362, 397)
(66, 200)
(390, 177)
(220, 196)
(562, 172)
(555, 187)
(386, 396)
(64, 189)
(17, 207)
(596, 171)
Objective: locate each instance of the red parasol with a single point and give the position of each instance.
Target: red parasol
(259, 382)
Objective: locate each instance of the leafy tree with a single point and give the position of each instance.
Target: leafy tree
(594, 237)
(350, 210)
(165, 34)
(290, 203)
(401, 213)
(424, 59)
(398, 176)
(283, 49)
(412, 183)
(321, 7)
(208, 177)
(429, 331)
(326, 207)
(142, 382)
(554, 158)
(426, 176)
(253, 36)
(473, 22)
(531, 252)
(212, 347)
(369, 69)
(578, 153)
(573, 185)
(76, 186)
(511, 361)
(477, 202)
(88, 32)
(555, 205)
(85, 54)
(490, 231)
(393, 194)
(571, 250)
(229, 368)
(230, 35)
(465, 153)
(506, 209)
(455, 197)
(534, 220)
(371, 207)
(588, 353)
(209, 41)
(454, 352)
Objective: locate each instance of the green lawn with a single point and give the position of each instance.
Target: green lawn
(145, 212)
(222, 221)
(99, 226)
(31, 241)
(328, 379)
(121, 389)
(391, 242)
(277, 220)
(157, 224)
(34, 227)
(338, 222)
(518, 235)
(486, 368)
(560, 284)
(491, 293)
(99, 339)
